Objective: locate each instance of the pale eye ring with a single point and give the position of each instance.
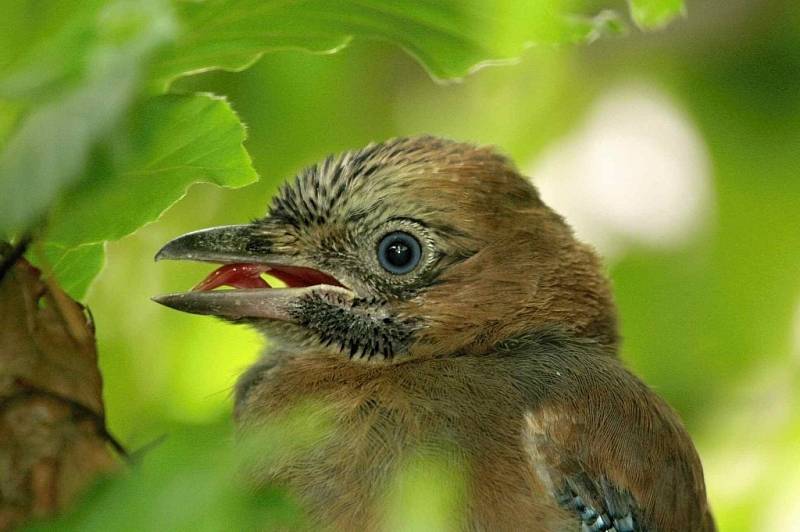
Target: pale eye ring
(399, 252)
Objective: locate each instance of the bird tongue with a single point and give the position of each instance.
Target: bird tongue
(246, 275)
(238, 275)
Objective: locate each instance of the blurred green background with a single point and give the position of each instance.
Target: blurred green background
(676, 153)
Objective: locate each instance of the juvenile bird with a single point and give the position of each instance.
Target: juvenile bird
(434, 304)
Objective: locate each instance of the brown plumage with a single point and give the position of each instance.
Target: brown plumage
(436, 305)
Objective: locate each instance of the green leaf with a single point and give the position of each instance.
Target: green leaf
(50, 148)
(9, 115)
(43, 45)
(654, 14)
(73, 268)
(168, 143)
(449, 37)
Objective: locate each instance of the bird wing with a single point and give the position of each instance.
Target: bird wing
(600, 505)
(618, 468)
(595, 501)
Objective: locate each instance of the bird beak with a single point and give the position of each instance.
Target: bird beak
(246, 253)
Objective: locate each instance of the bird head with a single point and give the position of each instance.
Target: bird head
(413, 247)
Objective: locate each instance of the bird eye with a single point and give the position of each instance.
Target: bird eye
(399, 252)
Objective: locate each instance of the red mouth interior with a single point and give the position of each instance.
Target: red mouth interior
(246, 275)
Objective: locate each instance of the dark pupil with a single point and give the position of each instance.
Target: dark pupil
(398, 254)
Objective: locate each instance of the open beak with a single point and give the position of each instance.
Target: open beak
(245, 253)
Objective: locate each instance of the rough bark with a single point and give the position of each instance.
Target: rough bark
(53, 441)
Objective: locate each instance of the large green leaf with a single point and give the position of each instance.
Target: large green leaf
(75, 268)
(449, 37)
(652, 14)
(42, 45)
(51, 147)
(169, 142)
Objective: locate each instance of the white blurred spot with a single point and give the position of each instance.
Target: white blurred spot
(783, 510)
(732, 472)
(637, 172)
